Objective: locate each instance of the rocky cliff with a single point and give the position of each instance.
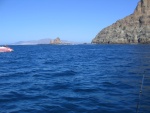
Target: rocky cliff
(55, 41)
(134, 28)
(58, 41)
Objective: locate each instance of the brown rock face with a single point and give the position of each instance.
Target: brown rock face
(134, 28)
(56, 41)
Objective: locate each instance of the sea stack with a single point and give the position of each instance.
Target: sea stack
(134, 28)
(55, 41)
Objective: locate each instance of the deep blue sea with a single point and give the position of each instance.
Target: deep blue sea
(75, 79)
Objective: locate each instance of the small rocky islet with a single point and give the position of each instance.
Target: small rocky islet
(134, 28)
(58, 41)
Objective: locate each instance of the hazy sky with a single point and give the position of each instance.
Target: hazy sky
(72, 20)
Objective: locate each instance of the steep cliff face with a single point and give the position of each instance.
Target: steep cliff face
(134, 28)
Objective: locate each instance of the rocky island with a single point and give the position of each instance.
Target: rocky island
(134, 28)
(58, 41)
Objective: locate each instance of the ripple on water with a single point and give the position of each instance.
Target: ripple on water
(74, 79)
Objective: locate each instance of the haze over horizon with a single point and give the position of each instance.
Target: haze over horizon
(72, 20)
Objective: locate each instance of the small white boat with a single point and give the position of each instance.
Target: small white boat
(5, 49)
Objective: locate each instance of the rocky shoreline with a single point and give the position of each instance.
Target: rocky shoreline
(134, 28)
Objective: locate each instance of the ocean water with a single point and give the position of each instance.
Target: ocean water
(75, 79)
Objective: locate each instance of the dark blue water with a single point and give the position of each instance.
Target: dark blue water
(75, 79)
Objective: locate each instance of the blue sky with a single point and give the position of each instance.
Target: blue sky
(72, 20)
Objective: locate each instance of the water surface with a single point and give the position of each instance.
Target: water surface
(75, 78)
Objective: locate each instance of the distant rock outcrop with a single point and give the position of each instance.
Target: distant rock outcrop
(58, 41)
(55, 41)
(134, 28)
